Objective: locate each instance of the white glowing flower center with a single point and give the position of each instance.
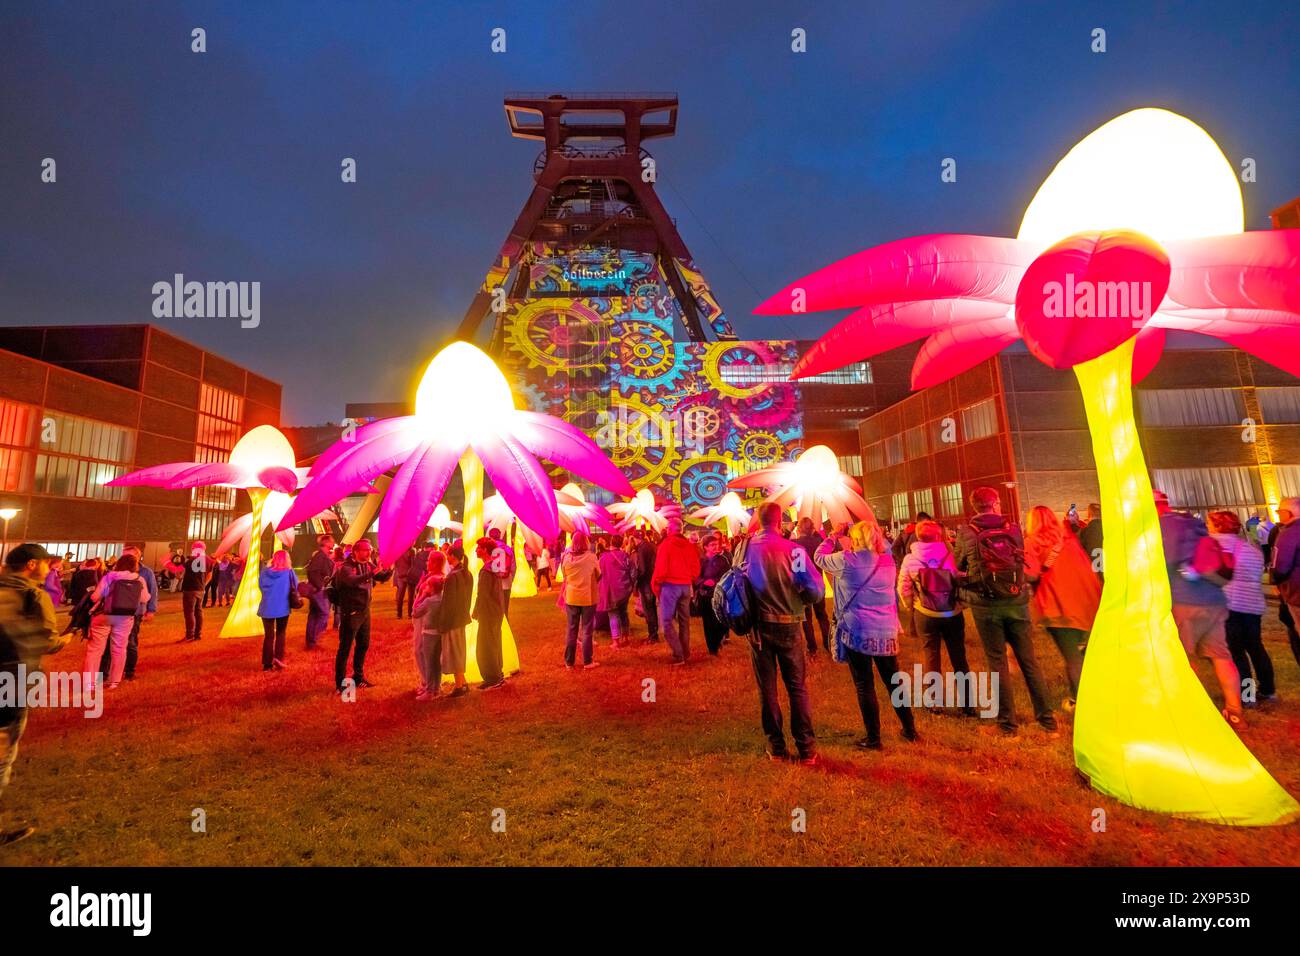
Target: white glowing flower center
(463, 393)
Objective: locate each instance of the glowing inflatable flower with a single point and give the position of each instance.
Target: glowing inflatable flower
(642, 512)
(262, 463)
(440, 521)
(730, 512)
(579, 514)
(812, 485)
(1136, 231)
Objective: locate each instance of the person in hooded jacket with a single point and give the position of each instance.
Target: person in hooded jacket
(928, 587)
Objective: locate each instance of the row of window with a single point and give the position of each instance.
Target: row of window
(904, 505)
(81, 550)
(740, 373)
(970, 424)
(1182, 407)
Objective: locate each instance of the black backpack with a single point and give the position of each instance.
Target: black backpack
(733, 597)
(936, 588)
(124, 596)
(1001, 559)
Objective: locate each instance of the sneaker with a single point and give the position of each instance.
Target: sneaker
(500, 682)
(911, 736)
(279, 664)
(811, 760)
(568, 667)
(460, 691)
(866, 743)
(362, 682)
(587, 667)
(778, 756)
(13, 836)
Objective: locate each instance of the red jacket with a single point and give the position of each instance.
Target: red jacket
(677, 562)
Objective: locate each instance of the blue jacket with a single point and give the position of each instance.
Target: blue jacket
(275, 586)
(151, 582)
(784, 579)
(866, 614)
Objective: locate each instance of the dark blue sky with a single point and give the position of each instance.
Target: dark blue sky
(225, 165)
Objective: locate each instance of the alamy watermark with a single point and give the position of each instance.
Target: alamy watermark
(921, 688)
(36, 688)
(179, 299)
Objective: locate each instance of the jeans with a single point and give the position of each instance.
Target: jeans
(273, 642)
(675, 618)
(778, 650)
(1000, 627)
(487, 650)
(103, 629)
(619, 625)
(1070, 641)
(865, 685)
(192, 605)
(405, 596)
(318, 617)
(210, 592)
(1247, 648)
(714, 630)
(544, 573)
(650, 605)
(428, 660)
(938, 633)
(354, 628)
(581, 617)
(13, 732)
(132, 653)
(817, 610)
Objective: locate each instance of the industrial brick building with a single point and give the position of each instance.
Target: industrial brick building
(81, 405)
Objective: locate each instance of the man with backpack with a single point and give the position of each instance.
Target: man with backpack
(122, 596)
(927, 585)
(1199, 569)
(782, 582)
(28, 631)
(990, 553)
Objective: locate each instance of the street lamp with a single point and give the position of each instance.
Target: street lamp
(7, 515)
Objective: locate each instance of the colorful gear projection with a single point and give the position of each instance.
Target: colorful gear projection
(644, 442)
(560, 334)
(754, 357)
(761, 448)
(702, 480)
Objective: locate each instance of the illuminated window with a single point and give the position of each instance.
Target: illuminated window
(1190, 406)
(77, 478)
(898, 507)
(979, 420)
(923, 501)
(1209, 487)
(81, 550)
(742, 373)
(1280, 405)
(79, 456)
(950, 500)
(893, 449)
(875, 454)
(1288, 480)
(18, 423)
(850, 464)
(221, 423)
(914, 438)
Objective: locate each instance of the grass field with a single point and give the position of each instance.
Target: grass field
(584, 770)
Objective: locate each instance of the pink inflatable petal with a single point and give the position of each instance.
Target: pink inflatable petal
(1250, 270)
(567, 446)
(357, 465)
(522, 482)
(236, 531)
(157, 476)
(1147, 348)
(362, 435)
(950, 352)
(211, 473)
(1278, 345)
(414, 493)
(277, 478)
(920, 267)
(762, 477)
(876, 329)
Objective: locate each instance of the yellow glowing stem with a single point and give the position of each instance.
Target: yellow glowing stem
(471, 474)
(524, 584)
(242, 621)
(1145, 731)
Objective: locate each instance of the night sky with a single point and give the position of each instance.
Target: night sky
(225, 165)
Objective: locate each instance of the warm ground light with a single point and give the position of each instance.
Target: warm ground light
(586, 772)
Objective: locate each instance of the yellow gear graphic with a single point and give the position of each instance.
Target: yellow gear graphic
(713, 373)
(584, 343)
(699, 422)
(642, 438)
(645, 350)
(690, 462)
(761, 447)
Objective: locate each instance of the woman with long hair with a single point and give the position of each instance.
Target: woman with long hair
(617, 580)
(1066, 591)
(866, 621)
(581, 573)
(120, 594)
(276, 580)
(424, 618)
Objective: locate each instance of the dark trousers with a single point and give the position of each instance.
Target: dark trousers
(778, 650)
(544, 573)
(865, 684)
(818, 610)
(405, 596)
(1247, 648)
(132, 653)
(318, 617)
(1288, 621)
(1070, 641)
(192, 605)
(1006, 626)
(714, 630)
(487, 650)
(273, 643)
(580, 620)
(650, 605)
(354, 628)
(938, 633)
(210, 592)
(13, 721)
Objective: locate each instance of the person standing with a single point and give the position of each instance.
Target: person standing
(54, 581)
(1285, 567)
(810, 539)
(1090, 539)
(211, 588)
(544, 566)
(225, 578)
(582, 580)
(279, 586)
(716, 563)
(1246, 607)
(121, 593)
(402, 571)
(28, 631)
(617, 581)
(453, 616)
(144, 612)
(425, 634)
(866, 621)
(677, 567)
(990, 551)
(645, 569)
(927, 586)
(1197, 575)
(354, 582)
(490, 613)
(320, 568)
(784, 582)
(1066, 592)
(194, 575)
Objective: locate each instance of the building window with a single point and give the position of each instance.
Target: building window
(81, 550)
(79, 456)
(18, 424)
(979, 420)
(1279, 406)
(875, 455)
(914, 439)
(1174, 407)
(221, 422)
(893, 449)
(923, 501)
(950, 500)
(1288, 480)
(850, 464)
(1227, 487)
(740, 373)
(208, 525)
(898, 507)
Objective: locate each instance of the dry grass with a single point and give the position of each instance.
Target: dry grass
(586, 772)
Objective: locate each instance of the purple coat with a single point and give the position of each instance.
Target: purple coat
(617, 572)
